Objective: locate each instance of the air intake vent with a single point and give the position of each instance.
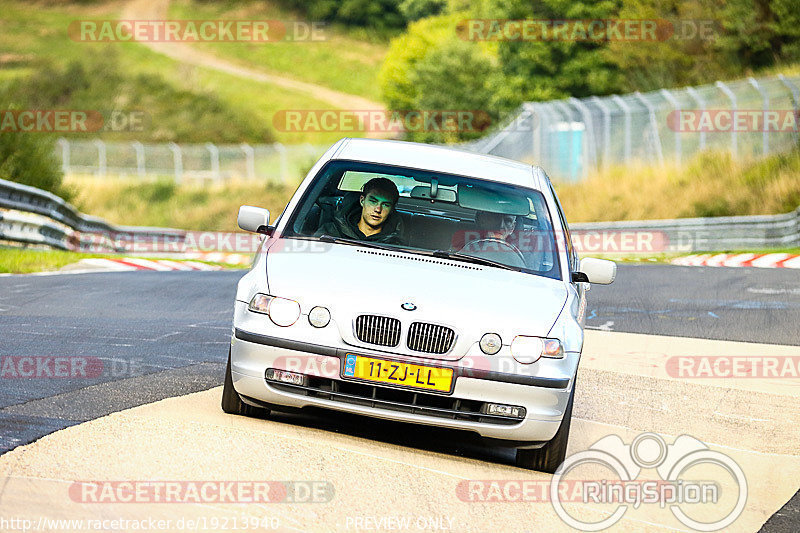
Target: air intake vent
(430, 338)
(381, 330)
(421, 259)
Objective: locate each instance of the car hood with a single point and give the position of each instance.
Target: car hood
(469, 298)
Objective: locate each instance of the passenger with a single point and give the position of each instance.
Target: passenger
(371, 218)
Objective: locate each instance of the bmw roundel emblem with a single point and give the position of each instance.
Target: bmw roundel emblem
(408, 306)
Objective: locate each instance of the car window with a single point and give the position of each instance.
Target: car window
(435, 212)
(571, 255)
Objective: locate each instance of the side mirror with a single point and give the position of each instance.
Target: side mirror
(255, 219)
(595, 270)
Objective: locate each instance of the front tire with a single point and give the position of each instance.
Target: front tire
(231, 401)
(550, 456)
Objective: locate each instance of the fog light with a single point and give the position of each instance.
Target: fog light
(513, 411)
(319, 317)
(491, 343)
(283, 376)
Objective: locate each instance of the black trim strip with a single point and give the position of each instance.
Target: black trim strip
(285, 343)
(502, 377)
(377, 402)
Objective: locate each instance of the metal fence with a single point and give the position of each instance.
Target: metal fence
(265, 162)
(572, 137)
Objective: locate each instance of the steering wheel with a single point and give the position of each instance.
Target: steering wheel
(496, 241)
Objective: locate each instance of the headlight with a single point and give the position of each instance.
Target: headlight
(282, 311)
(491, 343)
(527, 350)
(319, 317)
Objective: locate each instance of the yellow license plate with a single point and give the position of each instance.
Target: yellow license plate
(395, 373)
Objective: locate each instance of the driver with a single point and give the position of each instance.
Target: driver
(492, 239)
(496, 225)
(372, 218)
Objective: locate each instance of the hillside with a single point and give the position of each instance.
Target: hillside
(184, 102)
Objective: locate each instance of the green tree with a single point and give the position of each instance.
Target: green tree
(532, 70)
(398, 91)
(416, 9)
(454, 77)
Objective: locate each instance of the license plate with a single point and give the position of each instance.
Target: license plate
(396, 373)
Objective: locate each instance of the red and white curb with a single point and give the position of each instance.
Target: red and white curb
(134, 263)
(220, 257)
(740, 260)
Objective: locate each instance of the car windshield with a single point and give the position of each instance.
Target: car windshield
(443, 215)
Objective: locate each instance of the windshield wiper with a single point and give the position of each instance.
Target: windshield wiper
(472, 259)
(354, 242)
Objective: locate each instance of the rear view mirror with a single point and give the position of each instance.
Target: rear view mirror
(425, 193)
(255, 219)
(595, 270)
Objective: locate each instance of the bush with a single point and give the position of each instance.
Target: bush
(29, 158)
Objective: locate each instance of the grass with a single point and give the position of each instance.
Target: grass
(161, 203)
(33, 37)
(711, 184)
(25, 261)
(29, 260)
(340, 61)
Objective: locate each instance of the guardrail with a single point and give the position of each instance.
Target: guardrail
(40, 217)
(710, 234)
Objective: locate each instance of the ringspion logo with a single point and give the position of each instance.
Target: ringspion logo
(674, 490)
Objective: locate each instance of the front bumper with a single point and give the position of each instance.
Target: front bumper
(544, 398)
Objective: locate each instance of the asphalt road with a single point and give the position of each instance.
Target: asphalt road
(738, 304)
(163, 334)
(144, 326)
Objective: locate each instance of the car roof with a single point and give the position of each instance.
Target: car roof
(438, 159)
